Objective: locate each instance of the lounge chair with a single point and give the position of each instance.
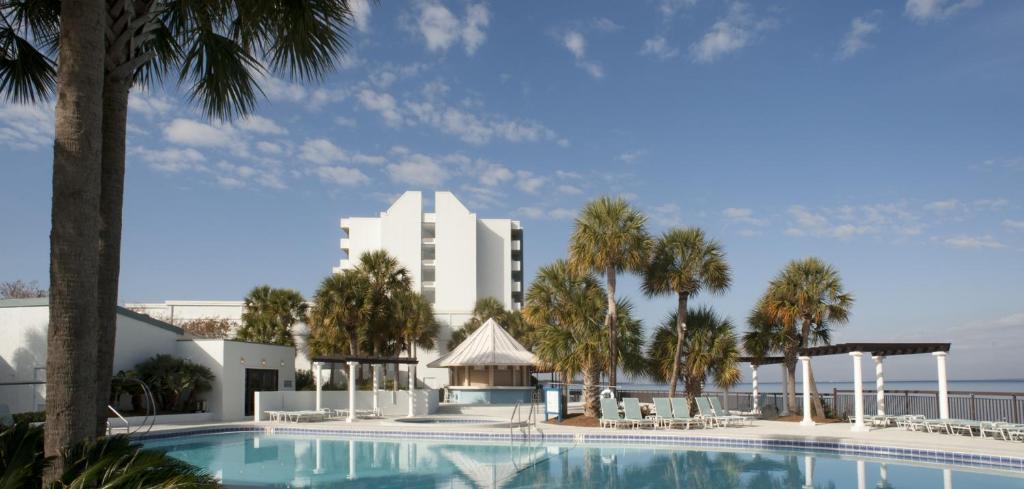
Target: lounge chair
(681, 413)
(631, 407)
(962, 426)
(1015, 432)
(910, 422)
(663, 412)
(610, 414)
(995, 429)
(708, 414)
(716, 407)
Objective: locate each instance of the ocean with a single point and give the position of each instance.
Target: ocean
(991, 385)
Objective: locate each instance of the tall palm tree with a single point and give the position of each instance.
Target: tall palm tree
(216, 50)
(417, 325)
(269, 315)
(710, 349)
(685, 262)
(487, 308)
(609, 237)
(387, 279)
(338, 314)
(808, 299)
(73, 31)
(567, 312)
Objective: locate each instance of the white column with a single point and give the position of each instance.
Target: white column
(351, 458)
(412, 390)
(376, 385)
(940, 359)
(753, 389)
(785, 389)
(319, 460)
(861, 483)
(947, 478)
(858, 393)
(805, 363)
(352, 392)
(808, 472)
(319, 388)
(883, 474)
(879, 384)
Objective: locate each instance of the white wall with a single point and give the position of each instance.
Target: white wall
(456, 255)
(390, 402)
(494, 260)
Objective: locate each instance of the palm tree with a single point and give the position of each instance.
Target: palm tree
(710, 348)
(417, 325)
(487, 308)
(567, 312)
(609, 237)
(216, 50)
(338, 314)
(685, 262)
(269, 314)
(76, 29)
(387, 279)
(807, 296)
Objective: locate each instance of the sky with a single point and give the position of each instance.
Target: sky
(885, 137)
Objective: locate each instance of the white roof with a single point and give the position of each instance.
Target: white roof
(490, 344)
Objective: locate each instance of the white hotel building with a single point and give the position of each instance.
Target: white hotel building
(454, 258)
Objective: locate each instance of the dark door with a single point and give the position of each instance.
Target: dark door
(257, 379)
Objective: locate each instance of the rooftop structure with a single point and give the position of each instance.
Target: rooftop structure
(488, 367)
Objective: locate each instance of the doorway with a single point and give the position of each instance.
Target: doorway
(257, 379)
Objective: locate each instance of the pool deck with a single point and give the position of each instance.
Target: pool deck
(835, 436)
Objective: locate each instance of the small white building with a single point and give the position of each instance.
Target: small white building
(239, 367)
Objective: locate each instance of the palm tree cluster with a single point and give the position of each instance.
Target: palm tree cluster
(171, 377)
(579, 326)
(89, 54)
(370, 309)
(490, 308)
(269, 314)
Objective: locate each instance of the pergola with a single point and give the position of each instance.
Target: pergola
(878, 353)
(318, 362)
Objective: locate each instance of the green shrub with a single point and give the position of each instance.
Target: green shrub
(30, 417)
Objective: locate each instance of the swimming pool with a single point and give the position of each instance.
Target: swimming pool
(257, 459)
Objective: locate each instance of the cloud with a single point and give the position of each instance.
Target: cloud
(605, 24)
(280, 90)
(493, 174)
(577, 45)
(733, 32)
(991, 204)
(383, 104)
(270, 148)
(666, 215)
(1013, 225)
(569, 190)
(541, 213)
(149, 105)
(194, 133)
(27, 127)
(943, 205)
(475, 129)
(345, 121)
(659, 48)
(528, 182)
(668, 8)
(743, 215)
(234, 176)
(321, 152)
(973, 242)
(418, 170)
(928, 10)
(340, 175)
(1005, 163)
(260, 125)
(171, 160)
(631, 156)
(856, 39)
(441, 29)
(360, 14)
(849, 221)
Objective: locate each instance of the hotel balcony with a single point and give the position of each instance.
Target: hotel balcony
(429, 217)
(429, 241)
(346, 244)
(346, 224)
(517, 286)
(428, 285)
(429, 263)
(517, 266)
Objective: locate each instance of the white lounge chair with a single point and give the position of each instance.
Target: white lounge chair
(633, 414)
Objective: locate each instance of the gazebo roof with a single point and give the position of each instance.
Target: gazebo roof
(490, 344)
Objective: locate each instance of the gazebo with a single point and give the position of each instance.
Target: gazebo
(488, 367)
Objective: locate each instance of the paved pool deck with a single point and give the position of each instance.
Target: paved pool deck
(760, 435)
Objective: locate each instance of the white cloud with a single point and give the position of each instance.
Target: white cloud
(492, 174)
(849, 221)
(321, 152)
(26, 127)
(269, 148)
(418, 170)
(631, 156)
(856, 39)
(605, 24)
(340, 175)
(658, 47)
(345, 121)
(234, 176)
(528, 182)
(973, 242)
(360, 14)
(194, 133)
(280, 90)
(668, 8)
(562, 213)
(1014, 225)
(929, 10)
(569, 190)
(743, 215)
(441, 29)
(568, 174)
(149, 105)
(383, 104)
(171, 160)
(541, 213)
(577, 45)
(943, 205)
(666, 215)
(730, 33)
(260, 125)
(991, 204)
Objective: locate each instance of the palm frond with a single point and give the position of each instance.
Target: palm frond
(26, 73)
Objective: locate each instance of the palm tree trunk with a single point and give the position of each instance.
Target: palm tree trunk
(805, 332)
(680, 338)
(590, 396)
(74, 235)
(790, 387)
(115, 120)
(613, 341)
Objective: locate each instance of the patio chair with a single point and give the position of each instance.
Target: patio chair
(934, 425)
(1015, 432)
(962, 426)
(631, 407)
(708, 414)
(610, 414)
(720, 412)
(681, 412)
(909, 422)
(663, 412)
(997, 429)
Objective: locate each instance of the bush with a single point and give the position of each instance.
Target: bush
(170, 377)
(304, 380)
(30, 417)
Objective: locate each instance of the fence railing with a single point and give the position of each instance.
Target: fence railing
(980, 406)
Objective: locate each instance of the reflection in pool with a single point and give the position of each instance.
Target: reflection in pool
(261, 460)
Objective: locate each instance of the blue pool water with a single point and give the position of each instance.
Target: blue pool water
(242, 460)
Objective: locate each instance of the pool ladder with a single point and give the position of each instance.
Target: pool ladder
(517, 420)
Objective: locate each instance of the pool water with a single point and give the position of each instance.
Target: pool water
(243, 460)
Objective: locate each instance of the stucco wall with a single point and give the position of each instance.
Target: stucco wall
(494, 260)
(392, 403)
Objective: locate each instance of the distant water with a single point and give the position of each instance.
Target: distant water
(1010, 385)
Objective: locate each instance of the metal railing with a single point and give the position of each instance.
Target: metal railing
(512, 418)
